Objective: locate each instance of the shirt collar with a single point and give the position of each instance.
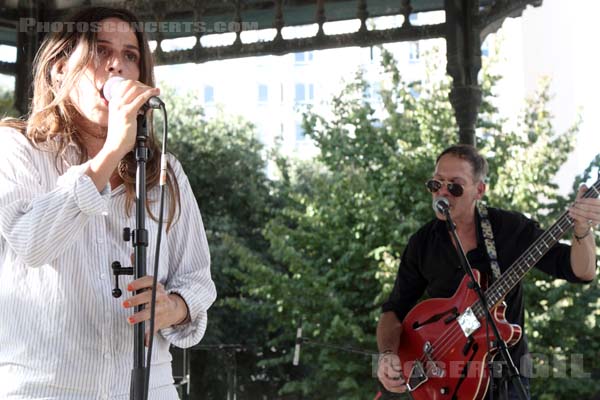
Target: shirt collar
(440, 227)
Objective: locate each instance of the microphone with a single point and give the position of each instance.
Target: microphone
(296, 359)
(441, 205)
(111, 84)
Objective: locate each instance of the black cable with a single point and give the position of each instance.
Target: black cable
(162, 183)
(347, 349)
(491, 362)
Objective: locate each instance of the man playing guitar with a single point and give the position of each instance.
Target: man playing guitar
(430, 265)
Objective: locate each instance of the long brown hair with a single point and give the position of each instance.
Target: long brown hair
(52, 115)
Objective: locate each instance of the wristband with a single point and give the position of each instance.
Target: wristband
(579, 238)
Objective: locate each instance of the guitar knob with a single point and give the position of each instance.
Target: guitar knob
(444, 390)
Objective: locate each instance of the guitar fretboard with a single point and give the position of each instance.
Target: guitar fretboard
(513, 275)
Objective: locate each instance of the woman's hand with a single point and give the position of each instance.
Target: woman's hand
(170, 308)
(128, 97)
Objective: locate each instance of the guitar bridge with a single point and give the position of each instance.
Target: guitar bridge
(417, 376)
(468, 322)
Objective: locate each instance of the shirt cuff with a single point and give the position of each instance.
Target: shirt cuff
(188, 334)
(390, 306)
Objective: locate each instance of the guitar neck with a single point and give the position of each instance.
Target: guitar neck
(513, 275)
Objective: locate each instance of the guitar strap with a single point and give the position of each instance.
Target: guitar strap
(488, 237)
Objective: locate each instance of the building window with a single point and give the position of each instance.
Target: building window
(305, 92)
(414, 92)
(413, 52)
(373, 92)
(300, 133)
(209, 94)
(485, 49)
(300, 92)
(263, 93)
(304, 57)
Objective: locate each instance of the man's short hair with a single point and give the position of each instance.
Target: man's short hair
(472, 156)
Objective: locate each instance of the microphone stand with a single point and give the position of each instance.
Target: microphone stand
(512, 370)
(140, 244)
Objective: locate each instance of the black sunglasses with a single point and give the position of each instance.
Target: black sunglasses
(434, 185)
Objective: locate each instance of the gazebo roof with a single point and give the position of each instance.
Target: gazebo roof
(23, 23)
(184, 18)
(260, 12)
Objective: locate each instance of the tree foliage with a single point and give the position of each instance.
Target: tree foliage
(226, 168)
(7, 104)
(348, 215)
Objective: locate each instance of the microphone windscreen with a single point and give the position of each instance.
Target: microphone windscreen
(110, 85)
(440, 204)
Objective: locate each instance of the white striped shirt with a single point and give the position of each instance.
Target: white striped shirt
(62, 334)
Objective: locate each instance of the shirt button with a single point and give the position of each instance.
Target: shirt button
(107, 356)
(105, 213)
(100, 240)
(102, 276)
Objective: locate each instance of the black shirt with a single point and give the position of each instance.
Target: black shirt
(430, 265)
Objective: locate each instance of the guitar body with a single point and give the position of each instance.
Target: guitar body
(439, 361)
(443, 348)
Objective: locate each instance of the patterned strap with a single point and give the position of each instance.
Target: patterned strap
(488, 237)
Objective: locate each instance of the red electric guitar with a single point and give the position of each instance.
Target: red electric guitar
(443, 347)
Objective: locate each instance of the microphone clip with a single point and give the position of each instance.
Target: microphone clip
(118, 270)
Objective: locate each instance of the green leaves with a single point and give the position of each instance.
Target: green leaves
(319, 247)
(6, 104)
(347, 217)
